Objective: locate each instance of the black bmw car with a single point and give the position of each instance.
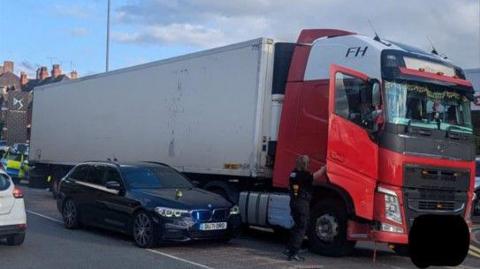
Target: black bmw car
(150, 201)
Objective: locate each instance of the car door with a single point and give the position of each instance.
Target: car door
(352, 153)
(78, 192)
(116, 208)
(87, 183)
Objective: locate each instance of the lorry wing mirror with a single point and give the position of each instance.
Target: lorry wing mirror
(376, 94)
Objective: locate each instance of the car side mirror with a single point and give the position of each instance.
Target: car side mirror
(113, 185)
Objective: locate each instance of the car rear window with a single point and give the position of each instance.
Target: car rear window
(4, 182)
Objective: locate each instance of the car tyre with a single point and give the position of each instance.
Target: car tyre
(144, 232)
(16, 239)
(327, 231)
(70, 215)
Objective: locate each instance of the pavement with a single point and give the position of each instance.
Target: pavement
(49, 245)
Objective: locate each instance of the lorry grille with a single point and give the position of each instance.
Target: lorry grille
(434, 190)
(434, 205)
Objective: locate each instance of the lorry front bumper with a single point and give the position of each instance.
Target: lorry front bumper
(184, 229)
(367, 232)
(389, 237)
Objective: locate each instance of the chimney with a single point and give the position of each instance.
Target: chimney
(42, 73)
(56, 70)
(73, 75)
(23, 79)
(7, 66)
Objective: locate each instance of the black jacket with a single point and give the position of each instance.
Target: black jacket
(301, 185)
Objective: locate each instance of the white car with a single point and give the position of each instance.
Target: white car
(476, 202)
(13, 219)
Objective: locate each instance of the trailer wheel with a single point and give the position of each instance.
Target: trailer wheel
(226, 190)
(327, 232)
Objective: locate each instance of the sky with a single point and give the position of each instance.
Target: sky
(72, 33)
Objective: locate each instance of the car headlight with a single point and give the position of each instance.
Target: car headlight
(392, 206)
(171, 212)
(235, 210)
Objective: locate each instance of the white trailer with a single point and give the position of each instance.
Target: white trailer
(207, 112)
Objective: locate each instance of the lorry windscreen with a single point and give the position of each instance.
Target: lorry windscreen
(427, 106)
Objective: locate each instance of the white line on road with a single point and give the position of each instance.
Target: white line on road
(45, 217)
(179, 259)
(149, 250)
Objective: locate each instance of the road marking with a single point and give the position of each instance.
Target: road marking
(178, 259)
(475, 249)
(45, 217)
(473, 254)
(149, 250)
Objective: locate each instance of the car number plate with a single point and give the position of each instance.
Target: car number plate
(212, 226)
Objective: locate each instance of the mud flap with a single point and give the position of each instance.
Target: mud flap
(438, 241)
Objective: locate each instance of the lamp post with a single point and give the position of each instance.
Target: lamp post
(108, 38)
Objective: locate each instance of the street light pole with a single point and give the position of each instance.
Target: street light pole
(108, 38)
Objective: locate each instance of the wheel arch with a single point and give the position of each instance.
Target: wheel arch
(330, 191)
(230, 190)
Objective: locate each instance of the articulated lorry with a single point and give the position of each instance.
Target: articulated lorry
(392, 124)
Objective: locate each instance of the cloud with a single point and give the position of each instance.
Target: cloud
(453, 26)
(196, 35)
(73, 10)
(78, 31)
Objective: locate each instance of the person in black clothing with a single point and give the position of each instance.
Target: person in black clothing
(301, 187)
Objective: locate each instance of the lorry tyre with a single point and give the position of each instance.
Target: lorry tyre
(401, 250)
(224, 189)
(327, 231)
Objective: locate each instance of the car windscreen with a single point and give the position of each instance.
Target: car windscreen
(4, 182)
(154, 177)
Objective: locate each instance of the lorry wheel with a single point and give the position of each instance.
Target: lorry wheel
(327, 231)
(55, 189)
(401, 250)
(227, 191)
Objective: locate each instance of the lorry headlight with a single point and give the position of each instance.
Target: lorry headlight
(235, 210)
(171, 212)
(392, 206)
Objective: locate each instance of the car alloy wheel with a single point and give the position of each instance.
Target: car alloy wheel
(70, 214)
(143, 231)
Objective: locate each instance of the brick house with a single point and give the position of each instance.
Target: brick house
(16, 95)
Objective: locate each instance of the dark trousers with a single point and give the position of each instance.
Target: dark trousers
(300, 210)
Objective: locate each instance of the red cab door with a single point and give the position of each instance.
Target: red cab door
(352, 154)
